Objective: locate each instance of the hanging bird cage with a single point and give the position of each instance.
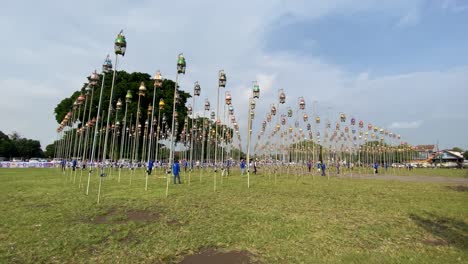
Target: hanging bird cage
(94, 78)
(353, 121)
(228, 98)
(88, 89)
(268, 117)
(309, 127)
(256, 91)
(337, 126)
(290, 112)
(282, 97)
(181, 64)
(283, 121)
(317, 119)
(301, 103)
(120, 44)
(369, 127)
(197, 89)
(158, 80)
(212, 115)
(343, 118)
(128, 97)
(189, 110)
(231, 110)
(376, 129)
(273, 110)
(305, 117)
(222, 79)
(118, 105)
(161, 104)
(142, 89)
(361, 124)
(252, 104)
(80, 99)
(106, 68)
(207, 105)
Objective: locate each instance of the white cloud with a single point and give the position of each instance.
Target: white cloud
(213, 36)
(406, 125)
(409, 19)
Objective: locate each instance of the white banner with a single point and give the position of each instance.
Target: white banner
(21, 164)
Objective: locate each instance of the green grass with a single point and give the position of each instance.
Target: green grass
(47, 218)
(438, 172)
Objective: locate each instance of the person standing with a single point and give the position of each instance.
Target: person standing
(185, 165)
(150, 166)
(323, 167)
(242, 166)
(176, 171)
(228, 166)
(74, 162)
(338, 167)
(376, 168)
(309, 165)
(63, 163)
(255, 166)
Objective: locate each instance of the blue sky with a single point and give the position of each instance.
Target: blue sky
(399, 64)
(428, 37)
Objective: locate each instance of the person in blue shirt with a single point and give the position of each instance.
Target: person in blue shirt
(242, 166)
(176, 171)
(323, 167)
(228, 166)
(185, 165)
(74, 164)
(376, 168)
(63, 164)
(150, 166)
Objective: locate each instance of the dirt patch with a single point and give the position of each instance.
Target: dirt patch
(104, 219)
(214, 256)
(459, 188)
(435, 242)
(142, 216)
(116, 216)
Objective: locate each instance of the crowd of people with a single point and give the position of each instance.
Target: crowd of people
(225, 166)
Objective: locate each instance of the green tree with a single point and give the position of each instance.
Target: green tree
(457, 149)
(16, 146)
(7, 147)
(130, 81)
(50, 151)
(465, 155)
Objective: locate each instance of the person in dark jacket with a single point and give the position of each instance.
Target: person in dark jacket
(323, 167)
(176, 171)
(150, 166)
(74, 162)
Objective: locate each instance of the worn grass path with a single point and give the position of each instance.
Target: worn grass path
(46, 218)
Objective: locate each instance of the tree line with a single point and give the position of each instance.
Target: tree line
(15, 146)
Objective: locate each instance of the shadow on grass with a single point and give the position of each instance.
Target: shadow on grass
(448, 231)
(459, 188)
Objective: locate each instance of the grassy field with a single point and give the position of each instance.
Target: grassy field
(46, 218)
(438, 172)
